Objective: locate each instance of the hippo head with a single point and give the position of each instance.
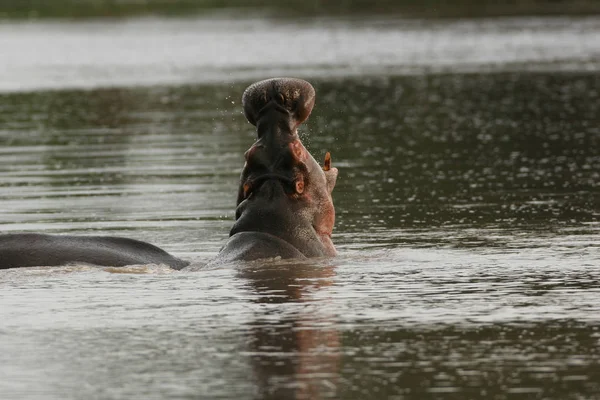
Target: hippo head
(284, 204)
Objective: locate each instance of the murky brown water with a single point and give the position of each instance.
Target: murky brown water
(468, 225)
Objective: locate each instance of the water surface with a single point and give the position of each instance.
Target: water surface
(467, 224)
(55, 55)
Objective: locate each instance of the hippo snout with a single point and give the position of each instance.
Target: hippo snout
(295, 96)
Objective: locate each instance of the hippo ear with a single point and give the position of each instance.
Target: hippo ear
(330, 173)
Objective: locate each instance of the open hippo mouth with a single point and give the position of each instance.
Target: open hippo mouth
(284, 204)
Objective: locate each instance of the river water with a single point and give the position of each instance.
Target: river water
(467, 206)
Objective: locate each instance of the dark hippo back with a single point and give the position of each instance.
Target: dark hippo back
(34, 249)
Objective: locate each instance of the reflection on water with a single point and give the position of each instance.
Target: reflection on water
(467, 227)
(295, 353)
(413, 323)
(101, 53)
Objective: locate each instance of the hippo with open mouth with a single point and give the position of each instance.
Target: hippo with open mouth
(284, 205)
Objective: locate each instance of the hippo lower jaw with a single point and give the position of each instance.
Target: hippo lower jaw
(250, 246)
(275, 222)
(255, 245)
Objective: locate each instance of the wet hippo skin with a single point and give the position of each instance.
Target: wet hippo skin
(283, 191)
(34, 249)
(284, 204)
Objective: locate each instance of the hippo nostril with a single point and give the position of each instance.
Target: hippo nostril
(247, 188)
(299, 186)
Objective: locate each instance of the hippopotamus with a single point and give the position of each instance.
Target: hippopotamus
(284, 206)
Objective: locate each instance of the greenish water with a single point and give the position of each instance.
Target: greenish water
(467, 228)
(467, 220)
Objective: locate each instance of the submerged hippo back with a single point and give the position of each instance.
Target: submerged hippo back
(34, 249)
